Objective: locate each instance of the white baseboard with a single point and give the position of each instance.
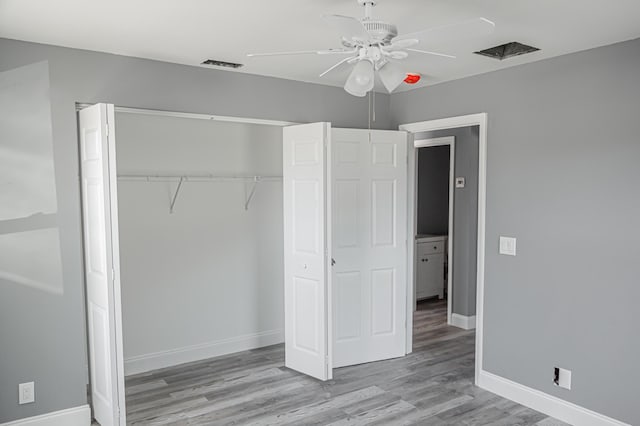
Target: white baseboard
(545, 403)
(461, 321)
(147, 362)
(76, 416)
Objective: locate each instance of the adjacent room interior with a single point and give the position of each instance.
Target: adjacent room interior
(373, 212)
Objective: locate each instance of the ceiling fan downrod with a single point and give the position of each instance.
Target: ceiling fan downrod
(368, 7)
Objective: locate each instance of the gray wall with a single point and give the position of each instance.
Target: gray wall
(215, 270)
(563, 152)
(465, 217)
(40, 308)
(433, 190)
(82, 76)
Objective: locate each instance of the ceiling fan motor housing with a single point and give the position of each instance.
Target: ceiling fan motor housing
(381, 32)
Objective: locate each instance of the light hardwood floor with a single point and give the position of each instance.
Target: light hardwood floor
(431, 386)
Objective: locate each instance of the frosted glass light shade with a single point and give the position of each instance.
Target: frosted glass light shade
(391, 75)
(361, 79)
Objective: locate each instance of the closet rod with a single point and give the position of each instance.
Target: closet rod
(199, 178)
(202, 178)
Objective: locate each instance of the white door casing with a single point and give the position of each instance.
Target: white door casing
(369, 245)
(102, 268)
(306, 285)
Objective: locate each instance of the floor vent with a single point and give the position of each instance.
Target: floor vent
(508, 50)
(217, 63)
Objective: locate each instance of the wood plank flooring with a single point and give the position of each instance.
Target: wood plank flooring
(431, 386)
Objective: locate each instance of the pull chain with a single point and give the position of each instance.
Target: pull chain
(374, 105)
(371, 108)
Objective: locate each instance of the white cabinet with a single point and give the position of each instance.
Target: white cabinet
(430, 264)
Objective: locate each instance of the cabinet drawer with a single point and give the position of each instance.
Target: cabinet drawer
(428, 248)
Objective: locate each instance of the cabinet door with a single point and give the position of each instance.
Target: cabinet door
(430, 276)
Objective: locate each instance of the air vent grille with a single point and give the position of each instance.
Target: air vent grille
(508, 50)
(225, 64)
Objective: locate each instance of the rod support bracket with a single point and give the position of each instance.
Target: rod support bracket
(175, 195)
(256, 180)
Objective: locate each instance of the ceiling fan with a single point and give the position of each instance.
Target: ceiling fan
(372, 46)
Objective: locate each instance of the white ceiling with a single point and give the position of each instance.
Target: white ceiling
(190, 31)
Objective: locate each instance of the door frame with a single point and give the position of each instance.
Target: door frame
(449, 141)
(113, 201)
(481, 120)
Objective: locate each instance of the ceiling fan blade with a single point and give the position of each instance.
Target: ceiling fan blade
(337, 65)
(349, 27)
(426, 52)
(405, 43)
(472, 28)
(396, 54)
(391, 76)
(305, 52)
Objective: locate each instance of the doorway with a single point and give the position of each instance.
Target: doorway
(421, 130)
(434, 201)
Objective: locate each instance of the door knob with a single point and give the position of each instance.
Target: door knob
(333, 261)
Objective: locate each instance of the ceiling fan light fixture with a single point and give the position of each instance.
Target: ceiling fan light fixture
(391, 76)
(361, 79)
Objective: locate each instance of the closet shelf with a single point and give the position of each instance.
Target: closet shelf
(180, 179)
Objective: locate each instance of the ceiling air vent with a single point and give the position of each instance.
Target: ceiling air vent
(217, 63)
(508, 50)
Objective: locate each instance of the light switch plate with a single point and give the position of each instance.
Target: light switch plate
(508, 246)
(459, 182)
(26, 393)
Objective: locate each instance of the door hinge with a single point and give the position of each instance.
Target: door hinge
(106, 129)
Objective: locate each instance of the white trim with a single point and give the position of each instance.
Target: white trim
(412, 160)
(545, 403)
(116, 289)
(76, 416)
(195, 116)
(451, 123)
(451, 142)
(462, 321)
(147, 362)
(445, 123)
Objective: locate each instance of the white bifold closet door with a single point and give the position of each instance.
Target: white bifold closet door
(102, 268)
(306, 289)
(369, 245)
(345, 221)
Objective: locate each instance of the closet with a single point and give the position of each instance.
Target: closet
(197, 246)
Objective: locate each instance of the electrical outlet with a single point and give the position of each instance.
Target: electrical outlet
(26, 393)
(562, 378)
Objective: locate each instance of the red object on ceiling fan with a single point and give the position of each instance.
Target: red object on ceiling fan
(412, 78)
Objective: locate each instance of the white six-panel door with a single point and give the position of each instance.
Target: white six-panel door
(307, 318)
(369, 245)
(100, 225)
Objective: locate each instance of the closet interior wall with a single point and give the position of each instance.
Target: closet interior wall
(207, 278)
